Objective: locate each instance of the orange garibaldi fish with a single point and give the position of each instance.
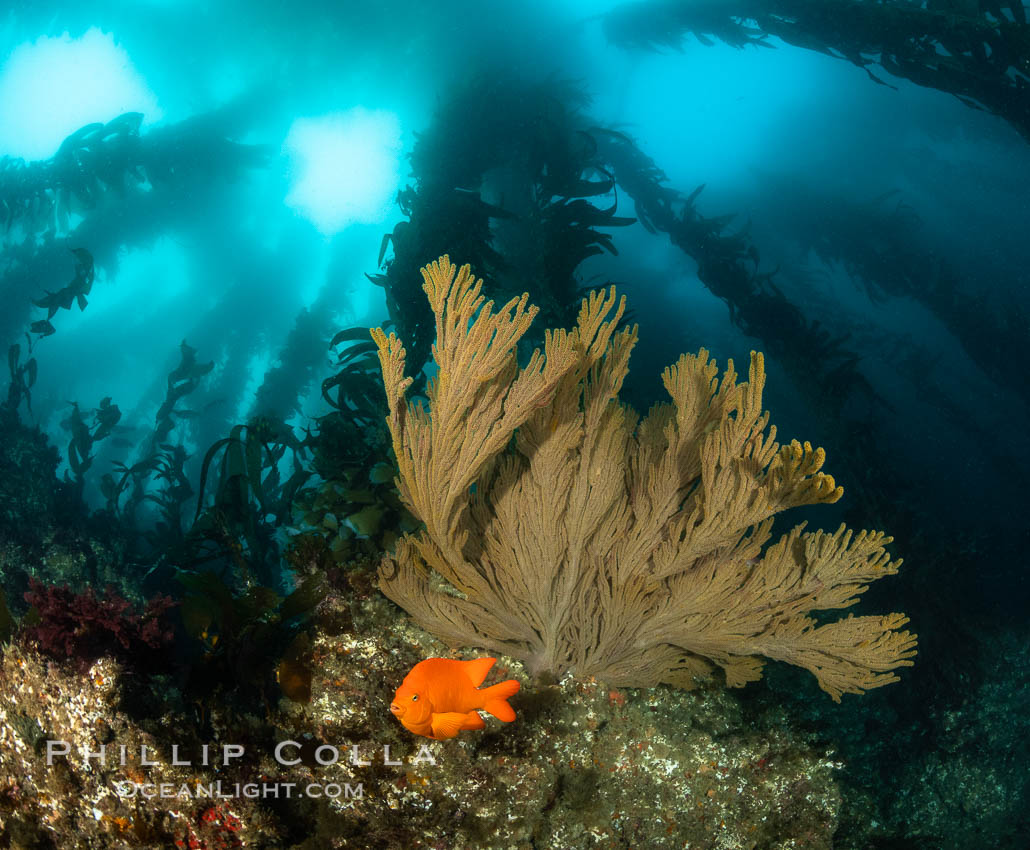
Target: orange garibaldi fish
(439, 697)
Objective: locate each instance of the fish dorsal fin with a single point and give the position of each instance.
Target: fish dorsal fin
(477, 668)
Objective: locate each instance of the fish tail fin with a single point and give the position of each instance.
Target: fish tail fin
(495, 700)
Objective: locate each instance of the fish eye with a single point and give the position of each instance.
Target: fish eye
(414, 697)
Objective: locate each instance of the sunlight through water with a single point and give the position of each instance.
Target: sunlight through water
(51, 87)
(345, 167)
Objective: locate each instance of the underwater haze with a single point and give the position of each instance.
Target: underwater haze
(226, 522)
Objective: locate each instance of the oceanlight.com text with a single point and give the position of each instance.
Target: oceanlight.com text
(252, 790)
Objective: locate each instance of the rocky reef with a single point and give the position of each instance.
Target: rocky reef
(583, 765)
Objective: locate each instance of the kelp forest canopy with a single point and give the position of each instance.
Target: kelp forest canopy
(977, 50)
(519, 179)
(52, 207)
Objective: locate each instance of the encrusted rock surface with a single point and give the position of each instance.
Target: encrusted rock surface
(582, 766)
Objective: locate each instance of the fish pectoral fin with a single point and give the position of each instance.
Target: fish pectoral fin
(447, 724)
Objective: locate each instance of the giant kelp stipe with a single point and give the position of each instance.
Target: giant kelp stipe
(234, 522)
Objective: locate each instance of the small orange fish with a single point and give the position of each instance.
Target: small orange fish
(439, 697)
